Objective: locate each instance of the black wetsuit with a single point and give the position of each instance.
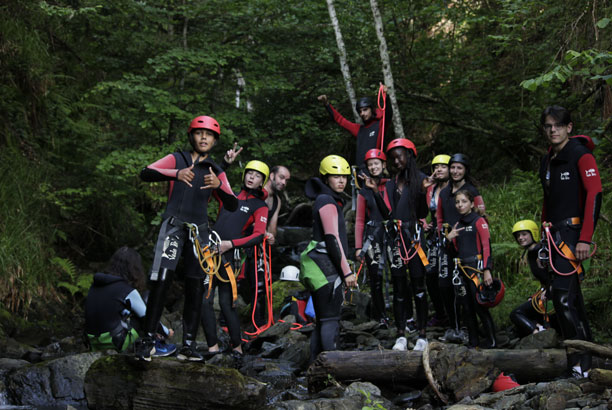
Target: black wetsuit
(473, 241)
(572, 191)
(408, 209)
(185, 205)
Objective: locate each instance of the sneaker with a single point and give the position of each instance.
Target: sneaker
(421, 344)
(448, 335)
(383, 323)
(190, 353)
(411, 326)
(163, 349)
(400, 344)
(577, 373)
(145, 347)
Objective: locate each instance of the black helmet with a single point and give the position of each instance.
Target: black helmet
(460, 158)
(364, 102)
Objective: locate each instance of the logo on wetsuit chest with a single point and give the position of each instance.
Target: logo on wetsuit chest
(469, 228)
(372, 133)
(244, 209)
(565, 176)
(590, 172)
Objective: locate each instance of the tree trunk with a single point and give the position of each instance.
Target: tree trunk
(407, 367)
(346, 73)
(386, 68)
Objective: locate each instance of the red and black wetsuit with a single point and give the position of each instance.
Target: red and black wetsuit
(572, 191)
(185, 205)
(473, 246)
(408, 207)
(245, 228)
(367, 134)
(370, 232)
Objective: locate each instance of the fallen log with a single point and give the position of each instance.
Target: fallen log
(601, 376)
(594, 348)
(390, 366)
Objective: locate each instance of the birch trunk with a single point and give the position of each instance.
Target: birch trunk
(386, 68)
(346, 73)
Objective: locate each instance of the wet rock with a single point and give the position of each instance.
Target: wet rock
(541, 340)
(55, 382)
(121, 382)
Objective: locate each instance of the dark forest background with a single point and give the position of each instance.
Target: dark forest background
(92, 91)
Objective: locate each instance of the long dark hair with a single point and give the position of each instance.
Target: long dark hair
(410, 177)
(127, 263)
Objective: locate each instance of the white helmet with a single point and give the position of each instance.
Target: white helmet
(291, 273)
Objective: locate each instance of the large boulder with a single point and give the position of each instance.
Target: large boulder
(121, 382)
(51, 383)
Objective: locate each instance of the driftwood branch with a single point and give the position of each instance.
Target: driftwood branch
(594, 348)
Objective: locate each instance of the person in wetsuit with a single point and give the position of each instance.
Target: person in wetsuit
(114, 306)
(471, 240)
(193, 178)
(279, 176)
(533, 315)
(370, 236)
(323, 264)
(572, 201)
(406, 196)
(435, 253)
(368, 134)
(447, 216)
(239, 229)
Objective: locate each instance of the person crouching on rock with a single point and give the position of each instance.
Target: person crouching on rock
(533, 315)
(114, 306)
(324, 266)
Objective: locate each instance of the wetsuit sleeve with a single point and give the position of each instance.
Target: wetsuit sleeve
(224, 194)
(479, 203)
(329, 219)
(161, 170)
(484, 243)
(139, 308)
(341, 121)
(360, 221)
(591, 182)
(259, 222)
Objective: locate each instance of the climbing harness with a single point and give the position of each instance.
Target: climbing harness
(415, 244)
(266, 263)
(549, 244)
(540, 305)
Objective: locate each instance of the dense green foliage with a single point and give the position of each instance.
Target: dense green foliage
(94, 90)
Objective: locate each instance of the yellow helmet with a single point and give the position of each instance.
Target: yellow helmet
(440, 159)
(527, 225)
(334, 165)
(258, 166)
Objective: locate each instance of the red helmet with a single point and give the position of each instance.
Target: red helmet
(491, 296)
(586, 141)
(375, 153)
(402, 142)
(206, 122)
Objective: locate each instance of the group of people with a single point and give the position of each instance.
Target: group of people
(430, 232)
(447, 257)
(245, 220)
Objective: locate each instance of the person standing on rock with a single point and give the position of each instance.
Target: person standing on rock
(572, 200)
(243, 228)
(447, 216)
(406, 190)
(533, 316)
(114, 306)
(370, 235)
(193, 179)
(324, 266)
(471, 239)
